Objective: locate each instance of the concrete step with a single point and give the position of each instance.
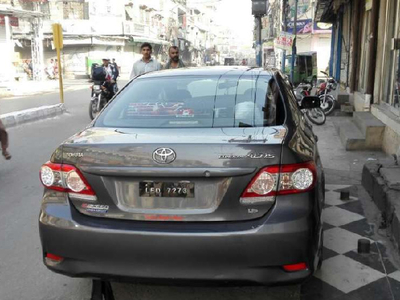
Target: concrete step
(352, 138)
(343, 97)
(371, 127)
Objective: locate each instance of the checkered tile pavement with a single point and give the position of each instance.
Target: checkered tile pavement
(345, 273)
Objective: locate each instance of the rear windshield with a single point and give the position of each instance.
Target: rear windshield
(194, 102)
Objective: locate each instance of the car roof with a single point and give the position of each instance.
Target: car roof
(210, 71)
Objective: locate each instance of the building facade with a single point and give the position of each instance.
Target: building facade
(311, 35)
(365, 57)
(96, 29)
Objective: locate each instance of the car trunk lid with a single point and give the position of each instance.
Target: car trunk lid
(212, 165)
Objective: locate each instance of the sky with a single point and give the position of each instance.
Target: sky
(236, 14)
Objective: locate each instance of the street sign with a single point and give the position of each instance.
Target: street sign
(259, 7)
(58, 36)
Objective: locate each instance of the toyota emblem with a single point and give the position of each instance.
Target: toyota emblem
(164, 155)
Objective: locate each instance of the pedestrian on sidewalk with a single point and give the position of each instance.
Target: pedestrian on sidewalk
(4, 141)
(174, 60)
(116, 66)
(147, 63)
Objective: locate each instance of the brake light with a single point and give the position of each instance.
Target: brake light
(279, 180)
(68, 179)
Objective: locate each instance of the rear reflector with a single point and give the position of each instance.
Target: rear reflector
(54, 257)
(52, 260)
(279, 180)
(295, 267)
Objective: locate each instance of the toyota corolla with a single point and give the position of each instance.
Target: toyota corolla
(208, 174)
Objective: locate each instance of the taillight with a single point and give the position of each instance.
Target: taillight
(68, 179)
(279, 180)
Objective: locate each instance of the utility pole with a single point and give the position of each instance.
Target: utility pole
(37, 45)
(294, 41)
(284, 18)
(259, 9)
(259, 41)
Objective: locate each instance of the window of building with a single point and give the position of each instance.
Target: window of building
(75, 10)
(363, 72)
(129, 12)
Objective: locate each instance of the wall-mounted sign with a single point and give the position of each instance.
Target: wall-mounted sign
(13, 21)
(320, 27)
(303, 26)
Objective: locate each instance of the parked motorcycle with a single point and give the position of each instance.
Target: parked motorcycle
(328, 101)
(314, 115)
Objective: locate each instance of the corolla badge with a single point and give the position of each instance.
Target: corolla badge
(164, 155)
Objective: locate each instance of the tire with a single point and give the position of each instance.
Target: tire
(316, 116)
(321, 252)
(93, 112)
(330, 104)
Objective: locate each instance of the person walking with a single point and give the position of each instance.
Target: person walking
(4, 141)
(174, 60)
(147, 63)
(116, 66)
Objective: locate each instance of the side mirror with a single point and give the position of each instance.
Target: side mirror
(309, 102)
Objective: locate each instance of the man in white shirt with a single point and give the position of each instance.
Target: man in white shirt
(146, 63)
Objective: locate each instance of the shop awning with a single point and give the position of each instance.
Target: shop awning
(139, 39)
(324, 11)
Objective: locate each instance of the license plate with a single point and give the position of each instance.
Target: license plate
(166, 189)
(96, 87)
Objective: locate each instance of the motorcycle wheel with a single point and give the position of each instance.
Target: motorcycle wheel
(93, 111)
(329, 105)
(316, 116)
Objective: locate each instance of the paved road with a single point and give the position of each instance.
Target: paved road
(22, 273)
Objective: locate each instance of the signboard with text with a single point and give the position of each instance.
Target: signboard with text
(284, 41)
(320, 27)
(303, 26)
(13, 21)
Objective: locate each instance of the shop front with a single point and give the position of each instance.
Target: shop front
(387, 75)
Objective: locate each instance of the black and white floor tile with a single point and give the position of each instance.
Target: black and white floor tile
(345, 273)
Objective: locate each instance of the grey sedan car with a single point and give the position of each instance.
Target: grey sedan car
(205, 174)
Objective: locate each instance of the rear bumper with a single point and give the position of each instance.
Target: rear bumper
(253, 253)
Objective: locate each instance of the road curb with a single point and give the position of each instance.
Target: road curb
(386, 196)
(30, 115)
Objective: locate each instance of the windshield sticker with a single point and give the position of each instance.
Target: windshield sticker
(183, 122)
(185, 113)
